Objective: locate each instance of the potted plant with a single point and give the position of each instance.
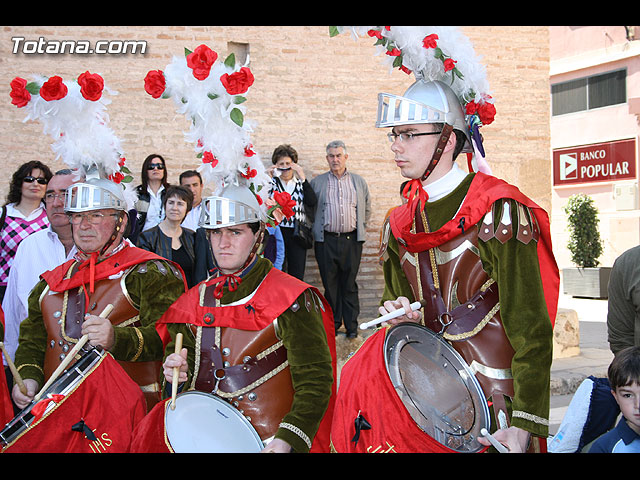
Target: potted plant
(588, 279)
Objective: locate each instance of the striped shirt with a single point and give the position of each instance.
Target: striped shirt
(340, 204)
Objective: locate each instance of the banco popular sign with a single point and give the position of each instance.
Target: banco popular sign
(599, 162)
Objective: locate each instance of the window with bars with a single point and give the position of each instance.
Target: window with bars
(589, 92)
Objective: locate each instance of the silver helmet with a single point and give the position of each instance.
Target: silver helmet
(94, 194)
(234, 205)
(424, 102)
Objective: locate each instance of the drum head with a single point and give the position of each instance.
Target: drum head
(203, 423)
(436, 386)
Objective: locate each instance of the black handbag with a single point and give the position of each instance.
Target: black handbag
(303, 234)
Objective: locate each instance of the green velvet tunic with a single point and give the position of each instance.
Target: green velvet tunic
(515, 268)
(151, 293)
(310, 363)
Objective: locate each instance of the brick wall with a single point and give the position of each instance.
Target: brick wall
(310, 89)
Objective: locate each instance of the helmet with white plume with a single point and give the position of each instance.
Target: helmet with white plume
(74, 114)
(212, 94)
(451, 85)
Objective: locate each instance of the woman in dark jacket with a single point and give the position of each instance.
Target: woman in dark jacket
(169, 239)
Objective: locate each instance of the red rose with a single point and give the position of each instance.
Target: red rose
(91, 86)
(375, 33)
(250, 173)
(449, 64)
(154, 83)
(486, 112)
(394, 52)
(201, 60)
(286, 203)
(248, 151)
(208, 157)
(116, 177)
(471, 108)
(53, 89)
(20, 96)
(430, 41)
(238, 82)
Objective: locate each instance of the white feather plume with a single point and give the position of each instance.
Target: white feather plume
(470, 85)
(79, 128)
(213, 132)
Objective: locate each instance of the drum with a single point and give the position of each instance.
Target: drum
(436, 386)
(92, 407)
(65, 384)
(204, 423)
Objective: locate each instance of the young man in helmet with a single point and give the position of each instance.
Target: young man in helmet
(476, 253)
(108, 270)
(488, 244)
(253, 335)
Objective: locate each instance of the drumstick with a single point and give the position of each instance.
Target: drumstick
(391, 315)
(176, 373)
(14, 371)
(501, 448)
(70, 356)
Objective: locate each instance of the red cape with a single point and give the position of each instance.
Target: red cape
(483, 192)
(117, 262)
(275, 294)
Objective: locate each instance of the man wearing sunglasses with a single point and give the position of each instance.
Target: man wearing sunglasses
(107, 270)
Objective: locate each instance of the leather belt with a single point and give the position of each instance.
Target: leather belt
(340, 234)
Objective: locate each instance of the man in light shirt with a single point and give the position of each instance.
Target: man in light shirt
(39, 252)
(339, 230)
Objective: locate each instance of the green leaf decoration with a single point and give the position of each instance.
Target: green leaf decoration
(33, 88)
(333, 31)
(127, 179)
(230, 61)
(397, 62)
(237, 117)
(187, 52)
(212, 96)
(239, 99)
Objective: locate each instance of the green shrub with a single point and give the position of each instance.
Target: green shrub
(584, 238)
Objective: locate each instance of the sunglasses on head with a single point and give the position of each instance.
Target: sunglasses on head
(155, 166)
(40, 180)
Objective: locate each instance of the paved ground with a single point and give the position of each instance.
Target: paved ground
(594, 358)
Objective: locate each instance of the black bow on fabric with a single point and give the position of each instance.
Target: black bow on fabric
(83, 428)
(360, 423)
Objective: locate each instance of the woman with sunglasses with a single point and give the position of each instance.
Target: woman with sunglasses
(149, 205)
(23, 213)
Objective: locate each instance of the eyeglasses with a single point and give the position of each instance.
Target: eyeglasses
(50, 197)
(94, 218)
(40, 180)
(407, 136)
(155, 166)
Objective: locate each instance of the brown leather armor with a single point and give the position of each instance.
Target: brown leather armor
(247, 368)
(463, 302)
(63, 314)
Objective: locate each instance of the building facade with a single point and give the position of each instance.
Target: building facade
(595, 123)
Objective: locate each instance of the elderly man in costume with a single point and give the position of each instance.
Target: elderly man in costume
(472, 249)
(252, 336)
(65, 305)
